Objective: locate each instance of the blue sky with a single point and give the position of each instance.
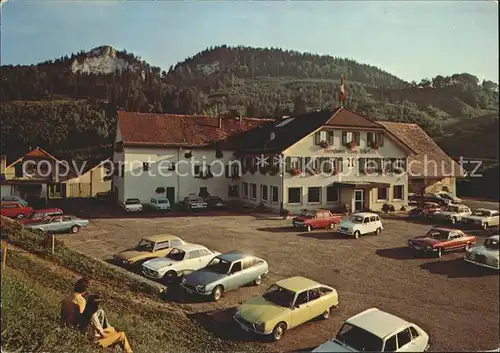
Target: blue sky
(410, 39)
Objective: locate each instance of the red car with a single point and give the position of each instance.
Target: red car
(15, 210)
(39, 215)
(428, 210)
(316, 219)
(440, 240)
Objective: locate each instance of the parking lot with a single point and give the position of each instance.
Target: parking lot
(456, 303)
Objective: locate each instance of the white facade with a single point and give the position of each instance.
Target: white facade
(146, 169)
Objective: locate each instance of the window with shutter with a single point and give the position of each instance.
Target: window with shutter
(361, 165)
(380, 139)
(317, 137)
(330, 138)
(288, 164)
(308, 163)
(339, 166)
(327, 164)
(369, 137)
(344, 137)
(356, 137)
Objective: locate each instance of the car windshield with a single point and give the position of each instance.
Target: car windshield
(481, 213)
(46, 220)
(451, 209)
(215, 198)
(438, 234)
(279, 296)
(132, 202)
(145, 245)
(491, 244)
(359, 339)
(36, 216)
(176, 254)
(162, 201)
(218, 265)
(446, 196)
(356, 219)
(309, 214)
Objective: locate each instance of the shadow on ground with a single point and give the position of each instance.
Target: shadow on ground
(401, 253)
(329, 235)
(457, 268)
(288, 229)
(221, 323)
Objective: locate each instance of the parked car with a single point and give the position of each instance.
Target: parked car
(15, 210)
(360, 224)
(286, 305)
(15, 199)
(453, 213)
(102, 196)
(215, 202)
(437, 198)
(319, 218)
(483, 218)
(192, 203)
(374, 330)
(428, 210)
(148, 248)
(441, 240)
(486, 255)
(132, 205)
(158, 204)
(225, 272)
(61, 223)
(449, 196)
(181, 260)
(39, 215)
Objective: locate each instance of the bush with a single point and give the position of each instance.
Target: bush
(388, 208)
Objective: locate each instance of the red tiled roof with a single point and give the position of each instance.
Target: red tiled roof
(179, 130)
(429, 154)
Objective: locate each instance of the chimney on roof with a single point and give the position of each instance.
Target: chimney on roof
(219, 125)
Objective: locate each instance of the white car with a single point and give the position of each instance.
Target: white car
(132, 205)
(180, 260)
(453, 213)
(15, 199)
(448, 196)
(485, 255)
(374, 330)
(158, 204)
(360, 224)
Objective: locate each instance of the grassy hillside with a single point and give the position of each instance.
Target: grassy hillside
(256, 82)
(34, 282)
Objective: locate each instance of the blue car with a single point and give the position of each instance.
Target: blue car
(225, 272)
(17, 199)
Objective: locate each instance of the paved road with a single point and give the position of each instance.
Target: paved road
(455, 303)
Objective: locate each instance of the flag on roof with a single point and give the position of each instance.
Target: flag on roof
(342, 88)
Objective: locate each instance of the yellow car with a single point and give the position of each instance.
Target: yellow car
(148, 248)
(285, 305)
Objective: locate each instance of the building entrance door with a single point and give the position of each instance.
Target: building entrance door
(359, 203)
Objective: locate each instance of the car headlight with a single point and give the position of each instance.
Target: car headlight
(200, 288)
(184, 280)
(260, 326)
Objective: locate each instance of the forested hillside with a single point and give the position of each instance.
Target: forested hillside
(53, 104)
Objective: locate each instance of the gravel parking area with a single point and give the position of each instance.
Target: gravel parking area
(456, 303)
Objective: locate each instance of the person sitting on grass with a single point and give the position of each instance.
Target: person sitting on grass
(73, 305)
(104, 337)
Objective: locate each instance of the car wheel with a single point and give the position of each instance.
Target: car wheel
(20, 216)
(75, 229)
(331, 226)
(279, 331)
(217, 293)
(326, 314)
(170, 276)
(440, 252)
(485, 226)
(453, 220)
(357, 234)
(308, 228)
(258, 281)
(377, 232)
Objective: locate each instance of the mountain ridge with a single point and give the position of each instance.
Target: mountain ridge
(223, 81)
